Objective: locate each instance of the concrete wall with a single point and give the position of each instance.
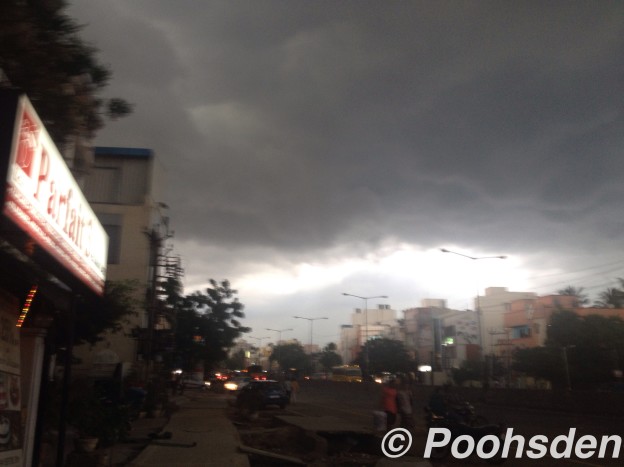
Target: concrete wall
(610, 404)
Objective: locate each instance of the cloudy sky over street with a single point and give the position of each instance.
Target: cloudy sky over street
(320, 147)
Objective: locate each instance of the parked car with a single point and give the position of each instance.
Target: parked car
(258, 394)
(237, 383)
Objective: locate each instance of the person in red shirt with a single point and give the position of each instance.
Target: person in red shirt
(389, 403)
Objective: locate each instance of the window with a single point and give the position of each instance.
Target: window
(112, 224)
(103, 185)
(520, 331)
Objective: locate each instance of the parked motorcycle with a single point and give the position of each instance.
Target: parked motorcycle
(458, 427)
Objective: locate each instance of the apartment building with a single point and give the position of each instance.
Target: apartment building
(126, 189)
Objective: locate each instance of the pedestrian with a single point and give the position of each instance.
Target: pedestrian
(294, 389)
(288, 387)
(405, 405)
(389, 403)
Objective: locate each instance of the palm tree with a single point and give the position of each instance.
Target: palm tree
(581, 297)
(611, 298)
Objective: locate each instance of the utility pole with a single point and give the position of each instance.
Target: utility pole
(156, 238)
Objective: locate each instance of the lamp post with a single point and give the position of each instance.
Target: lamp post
(311, 320)
(259, 339)
(279, 332)
(475, 258)
(366, 299)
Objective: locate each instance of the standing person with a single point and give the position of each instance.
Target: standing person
(288, 387)
(404, 405)
(389, 403)
(294, 389)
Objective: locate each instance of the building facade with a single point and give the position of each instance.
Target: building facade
(366, 325)
(126, 188)
(491, 309)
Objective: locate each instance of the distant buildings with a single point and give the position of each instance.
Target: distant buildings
(443, 338)
(366, 325)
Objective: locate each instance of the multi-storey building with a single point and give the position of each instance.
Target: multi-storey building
(526, 322)
(491, 309)
(125, 187)
(438, 336)
(365, 325)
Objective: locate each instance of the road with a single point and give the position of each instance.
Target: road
(355, 404)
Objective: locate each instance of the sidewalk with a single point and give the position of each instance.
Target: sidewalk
(201, 435)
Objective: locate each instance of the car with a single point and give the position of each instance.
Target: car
(237, 383)
(259, 394)
(193, 383)
(384, 377)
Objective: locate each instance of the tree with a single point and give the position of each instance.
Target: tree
(385, 355)
(291, 355)
(578, 292)
(611, 298)
(468, 370)
(592, 346)
(97, 315)
(207, 325)
(236, 361)
(42, 54)
(540, 362)
(329, 358)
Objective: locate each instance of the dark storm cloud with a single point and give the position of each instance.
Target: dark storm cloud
(297, 127)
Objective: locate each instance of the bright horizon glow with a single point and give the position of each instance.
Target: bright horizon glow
(438, 275)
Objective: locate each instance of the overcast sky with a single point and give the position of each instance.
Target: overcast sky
(320, 147)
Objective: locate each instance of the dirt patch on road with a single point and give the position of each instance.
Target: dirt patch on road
(270, 442)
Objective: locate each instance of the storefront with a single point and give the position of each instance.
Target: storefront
(52, 250)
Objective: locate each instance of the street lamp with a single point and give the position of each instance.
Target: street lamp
(366, 299)
(311, 320)
(259, 339)
(475, 258)
(279, 332)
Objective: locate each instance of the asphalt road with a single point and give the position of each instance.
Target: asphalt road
(356, 406)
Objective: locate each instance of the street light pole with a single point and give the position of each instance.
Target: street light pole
(311, 320)
(259, 339)
(366, 299)
(279, 332)
(475, 258)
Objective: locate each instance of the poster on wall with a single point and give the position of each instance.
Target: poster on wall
(11, 436)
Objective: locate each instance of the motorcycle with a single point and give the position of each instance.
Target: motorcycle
(457, 426)
(467, 413)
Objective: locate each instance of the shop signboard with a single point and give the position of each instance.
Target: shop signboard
(43, 199)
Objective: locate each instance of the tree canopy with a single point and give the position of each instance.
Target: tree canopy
(206, 325)
(385, 355)
(329, 358)
(291, 355)
(592, 345)
(42, 54)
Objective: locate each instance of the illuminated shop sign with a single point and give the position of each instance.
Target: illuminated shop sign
(44, 200)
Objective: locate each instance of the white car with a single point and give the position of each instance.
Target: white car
(237, 383)
(190, 383)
